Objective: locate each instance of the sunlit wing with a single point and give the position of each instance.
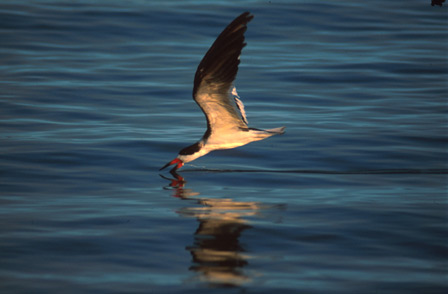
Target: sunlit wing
(213, 83)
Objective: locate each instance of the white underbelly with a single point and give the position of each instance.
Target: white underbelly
(231, 140)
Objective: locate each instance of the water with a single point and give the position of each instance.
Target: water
(96, 96)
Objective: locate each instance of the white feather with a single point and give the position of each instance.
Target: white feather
(240, 105)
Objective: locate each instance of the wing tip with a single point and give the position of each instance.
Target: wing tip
(244, 19)
(227, 46)
(247, 15)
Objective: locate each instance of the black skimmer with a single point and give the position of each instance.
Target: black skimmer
(214, 92)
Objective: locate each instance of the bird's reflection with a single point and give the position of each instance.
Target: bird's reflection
(217, 252)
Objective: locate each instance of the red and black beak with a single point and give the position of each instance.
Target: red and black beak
(174, 161)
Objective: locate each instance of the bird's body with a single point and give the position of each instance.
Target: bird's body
(214, 92)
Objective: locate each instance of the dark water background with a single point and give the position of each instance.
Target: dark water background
(95, 96)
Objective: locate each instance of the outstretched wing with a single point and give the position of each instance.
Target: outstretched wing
(213, 82)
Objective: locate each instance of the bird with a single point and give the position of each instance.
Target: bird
(215, 93)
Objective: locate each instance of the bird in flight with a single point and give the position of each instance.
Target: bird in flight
(216, 95)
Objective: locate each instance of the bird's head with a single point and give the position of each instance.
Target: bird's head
(177, 161)
(187, 154)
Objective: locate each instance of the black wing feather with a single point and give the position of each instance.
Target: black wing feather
(220, 63)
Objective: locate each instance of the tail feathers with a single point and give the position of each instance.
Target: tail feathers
(277, 131)
(263, 134)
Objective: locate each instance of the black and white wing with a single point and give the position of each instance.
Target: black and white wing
(213, 83)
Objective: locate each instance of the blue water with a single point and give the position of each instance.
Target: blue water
(96, 97)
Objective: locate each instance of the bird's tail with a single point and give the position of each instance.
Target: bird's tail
(258, 134)
(277, 131)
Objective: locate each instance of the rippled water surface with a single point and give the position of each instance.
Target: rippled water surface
(96, 97)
